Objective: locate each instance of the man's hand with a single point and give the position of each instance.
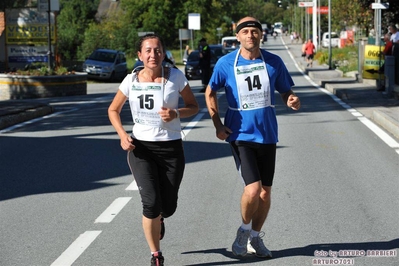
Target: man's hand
(222, 132)
(293, 102)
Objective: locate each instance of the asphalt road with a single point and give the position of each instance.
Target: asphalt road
(67, 196)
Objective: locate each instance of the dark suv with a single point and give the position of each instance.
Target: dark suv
(192, 69)
(106, 64)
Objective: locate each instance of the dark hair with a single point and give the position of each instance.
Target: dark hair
(149, 36)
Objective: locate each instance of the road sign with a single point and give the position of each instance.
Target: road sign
(320, 10)
(42, 5)
(380, 5)
(305, 4)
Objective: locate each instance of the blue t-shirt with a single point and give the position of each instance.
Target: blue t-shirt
(258, 125)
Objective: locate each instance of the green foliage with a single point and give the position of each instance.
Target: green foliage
(72, 22)
(79, 33)
(110, 33)
(41, 69)
(61, 71)
(345, 59)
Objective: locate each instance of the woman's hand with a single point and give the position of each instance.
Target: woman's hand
(167, 114)
(127, 143)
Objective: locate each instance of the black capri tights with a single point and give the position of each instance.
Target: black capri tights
(158, 170)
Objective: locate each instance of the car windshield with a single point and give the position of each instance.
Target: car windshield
(102, 56)
(333, 35)
(217, 52)
(194, 56)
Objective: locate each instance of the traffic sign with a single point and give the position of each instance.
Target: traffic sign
(380, 5)
(305, 4)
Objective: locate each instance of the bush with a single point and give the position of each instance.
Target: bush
(344, 59)
(41, 69)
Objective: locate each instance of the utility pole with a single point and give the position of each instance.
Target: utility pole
(329, 32)
(314, 23)
(49, 53)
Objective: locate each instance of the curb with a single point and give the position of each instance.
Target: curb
(386, 122)
(27, 114)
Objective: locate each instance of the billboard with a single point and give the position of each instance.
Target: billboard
(28, 26)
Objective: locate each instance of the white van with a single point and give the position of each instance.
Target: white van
(325, 42)
(230, 42)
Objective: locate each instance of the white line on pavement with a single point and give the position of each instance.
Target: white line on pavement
(193, 122)
(132, 186)
(391, 142)
(76, 248)
(116, 206)
(35, 120)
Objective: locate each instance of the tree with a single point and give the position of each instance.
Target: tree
(112, 33)
(72, 22)
(389, 16)
(348, 14)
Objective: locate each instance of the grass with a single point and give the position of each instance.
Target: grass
(344, 59)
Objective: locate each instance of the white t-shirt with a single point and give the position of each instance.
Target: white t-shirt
(395, 37)
(171, 93)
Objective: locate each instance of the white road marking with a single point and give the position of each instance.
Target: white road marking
(193, 122)
(76, 248)
(34, 120)
(116, 206)
(132, 186)
(82, 103)
(391, 142)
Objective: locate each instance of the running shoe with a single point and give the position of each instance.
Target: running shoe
(239, 247)
(162, 229)
(256, 246)
(157, 259)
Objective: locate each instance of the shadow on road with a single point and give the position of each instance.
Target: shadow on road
(307, 251)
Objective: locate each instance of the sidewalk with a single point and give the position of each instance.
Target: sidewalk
(364, 97)
(13, 112)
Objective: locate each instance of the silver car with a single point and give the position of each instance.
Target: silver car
(106, 64)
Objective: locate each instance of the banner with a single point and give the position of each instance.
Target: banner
(373, 60)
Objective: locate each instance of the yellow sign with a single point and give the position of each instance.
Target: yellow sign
(373, 60)
(29, 34)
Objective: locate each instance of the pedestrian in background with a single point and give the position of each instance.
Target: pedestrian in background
(309, 51)
(250, 76)
(386, 52)
(303, 50)
(204, 63)
(187, 52)
(154, 149)
(394, 33)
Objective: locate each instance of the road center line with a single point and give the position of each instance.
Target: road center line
(76, 248)
(116, 206)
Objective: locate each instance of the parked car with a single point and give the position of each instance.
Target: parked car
(192, 69)
(106, 64)
(326, 39)
(168, 61)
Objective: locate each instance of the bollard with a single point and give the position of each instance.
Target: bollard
(389, 73)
